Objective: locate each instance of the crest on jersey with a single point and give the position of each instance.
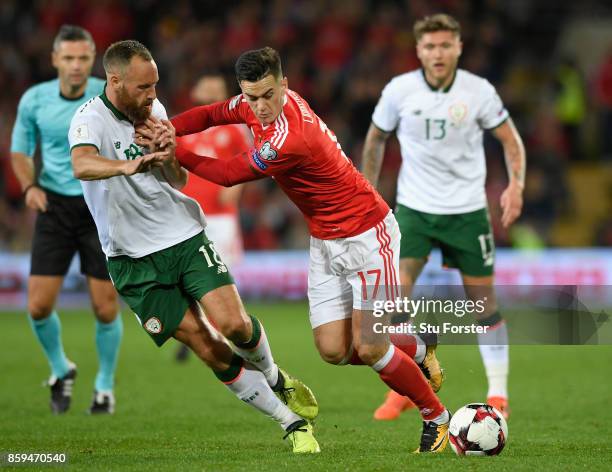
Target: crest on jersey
(153, 325)
(81, 132)
(267, 153)
(457, 112)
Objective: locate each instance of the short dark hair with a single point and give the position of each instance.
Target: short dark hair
(120, 54)
(256, 64)
(434, 23)
(72, 33)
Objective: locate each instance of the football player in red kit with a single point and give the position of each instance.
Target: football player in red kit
(354, 248)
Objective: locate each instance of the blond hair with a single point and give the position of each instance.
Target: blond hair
(437, 22)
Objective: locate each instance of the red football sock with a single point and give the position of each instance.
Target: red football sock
(403, 375)
(405, 342)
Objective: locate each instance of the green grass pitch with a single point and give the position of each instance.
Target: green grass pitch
(179, 417)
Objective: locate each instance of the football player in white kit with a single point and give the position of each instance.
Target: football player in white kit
(439, 113)
(158, 255)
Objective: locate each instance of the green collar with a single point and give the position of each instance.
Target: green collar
(434, 89)
(111, 107)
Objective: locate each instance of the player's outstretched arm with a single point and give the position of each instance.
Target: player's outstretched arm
(225, 172)
(373, 152)
(514, 152)
(171, 168)
(88, 164)
(203, 117)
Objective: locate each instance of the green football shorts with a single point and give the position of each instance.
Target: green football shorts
(465, 239)
(159, 287)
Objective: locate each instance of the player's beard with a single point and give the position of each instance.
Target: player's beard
(136, 112)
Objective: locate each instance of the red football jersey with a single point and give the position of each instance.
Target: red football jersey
(221, 142)
(305, 159)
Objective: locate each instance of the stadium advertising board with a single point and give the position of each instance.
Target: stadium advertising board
(284, 275)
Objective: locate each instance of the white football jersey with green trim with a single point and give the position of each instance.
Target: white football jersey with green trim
(441, 137)
(136, 215)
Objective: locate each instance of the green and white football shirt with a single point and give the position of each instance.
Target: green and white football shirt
(139, 214)
(440, 133)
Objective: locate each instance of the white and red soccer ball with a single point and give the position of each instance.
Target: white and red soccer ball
(477, 429)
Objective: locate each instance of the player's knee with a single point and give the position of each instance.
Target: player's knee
(236, 328)
(371, 353)
(332, 357)
(106, 310)
(331, 353)
(39, 310)
(489, 319)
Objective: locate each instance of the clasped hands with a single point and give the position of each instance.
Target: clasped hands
(159, 138)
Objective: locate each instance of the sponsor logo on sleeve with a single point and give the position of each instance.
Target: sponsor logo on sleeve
(257, 159)
(81, 132)
(267, 153)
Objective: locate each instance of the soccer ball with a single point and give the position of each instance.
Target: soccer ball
(477, 429)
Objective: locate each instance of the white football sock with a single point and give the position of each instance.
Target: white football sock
(495, 356)
(421, 350)
(442, 417)
(381, 363)
(260, 355)
(252, 387)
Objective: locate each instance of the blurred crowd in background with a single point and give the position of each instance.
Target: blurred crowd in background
(550, 61)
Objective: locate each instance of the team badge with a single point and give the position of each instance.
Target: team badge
(267, 153)
(153, 325)
(457, 112)
(81, 132)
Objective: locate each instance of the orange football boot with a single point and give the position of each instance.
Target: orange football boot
(500, 404)
(393, 406)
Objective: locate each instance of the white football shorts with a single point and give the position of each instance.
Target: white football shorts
(352, 273)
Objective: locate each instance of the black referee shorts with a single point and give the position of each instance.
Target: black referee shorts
(65, 228)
